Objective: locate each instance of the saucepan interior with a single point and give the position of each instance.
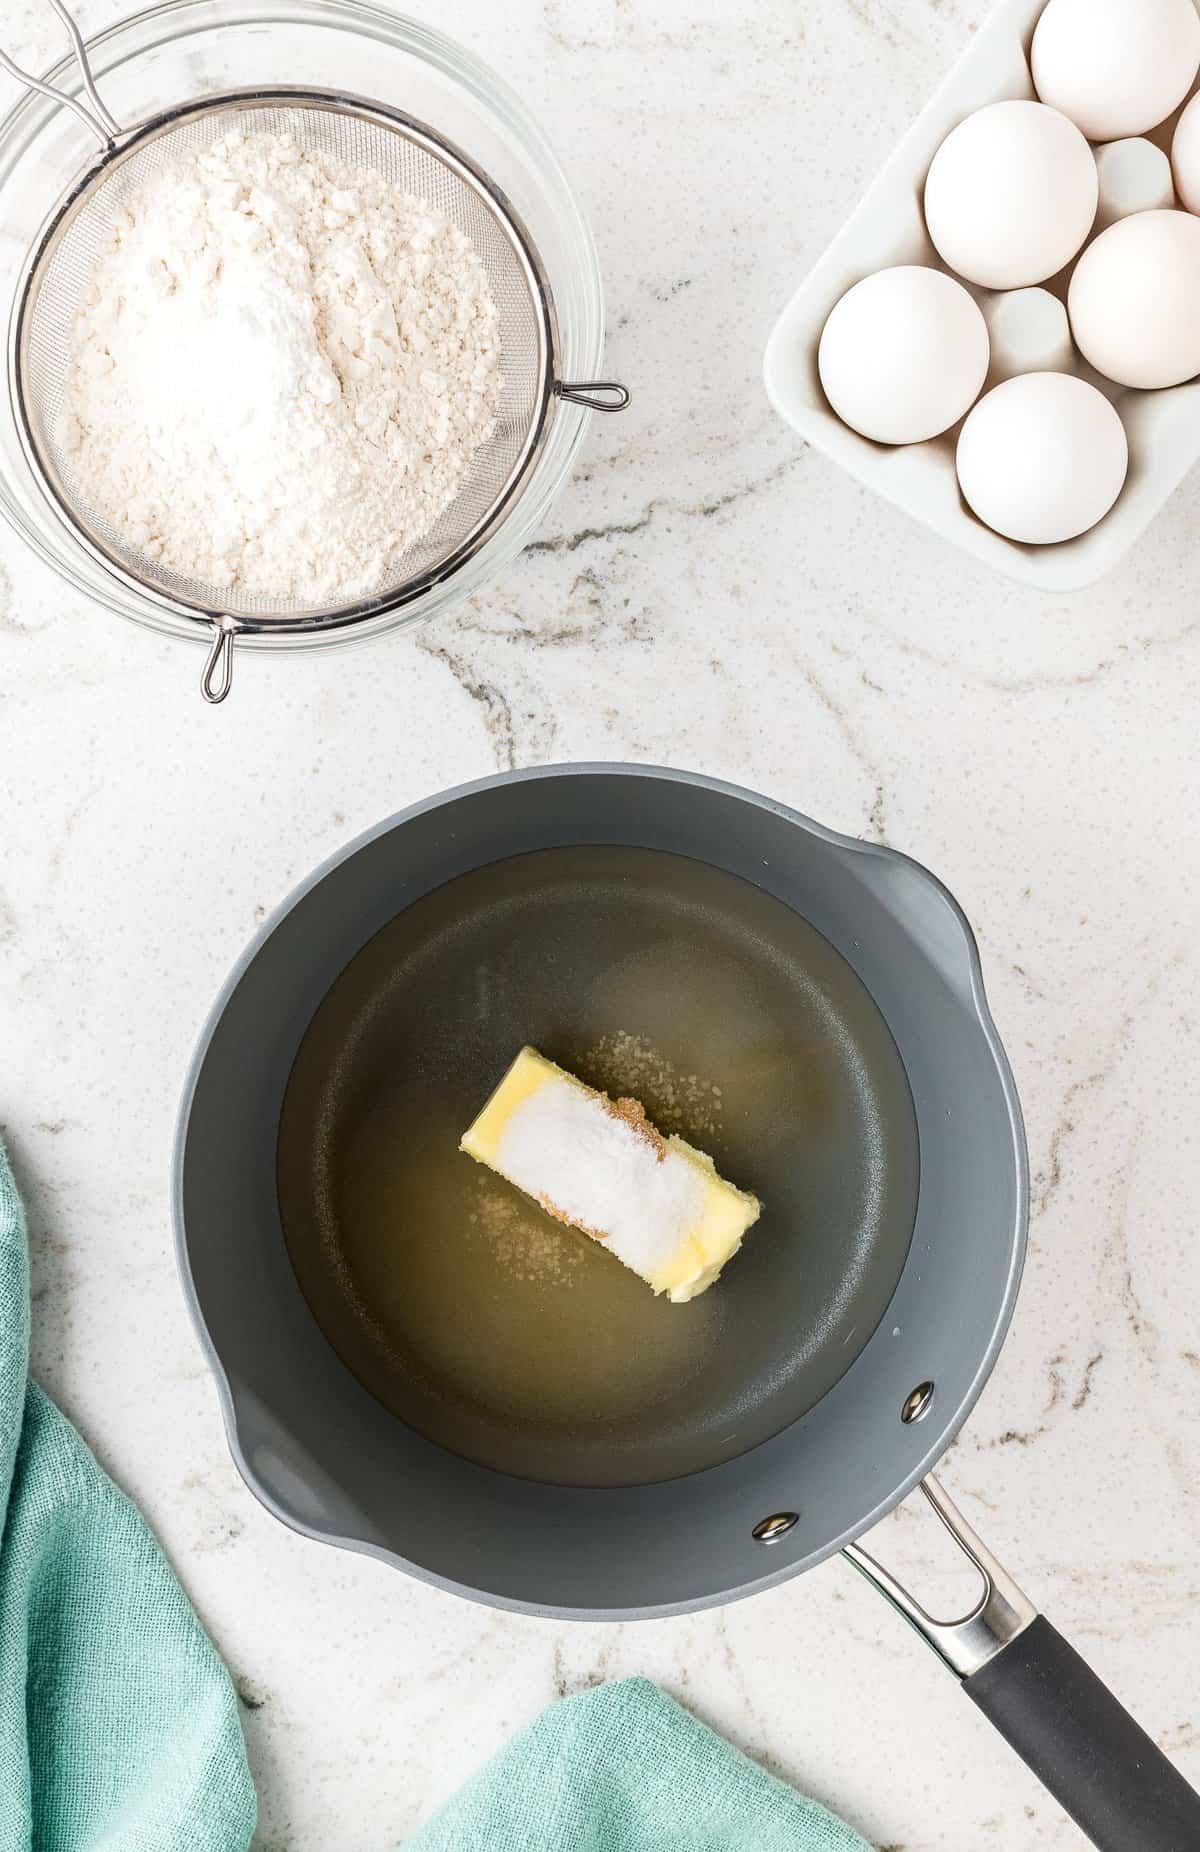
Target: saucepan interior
(494, 1329)
(416, 1364)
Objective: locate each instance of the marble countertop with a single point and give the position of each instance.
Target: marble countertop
(709, 594)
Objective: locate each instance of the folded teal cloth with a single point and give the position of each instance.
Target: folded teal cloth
(119, 1727)
(623, 1768)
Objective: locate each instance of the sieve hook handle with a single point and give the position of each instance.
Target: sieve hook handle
(102, 125)
(595, 395)
(217, 679)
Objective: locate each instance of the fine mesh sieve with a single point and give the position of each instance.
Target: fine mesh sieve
(359, 133)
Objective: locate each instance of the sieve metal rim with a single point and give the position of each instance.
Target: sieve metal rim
(208, 615)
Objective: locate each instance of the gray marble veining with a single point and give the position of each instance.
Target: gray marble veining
(706, 594)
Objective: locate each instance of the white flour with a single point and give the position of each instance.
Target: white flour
(282, 372)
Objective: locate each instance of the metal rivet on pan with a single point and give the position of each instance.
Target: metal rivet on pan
(770, 1530)
(917, 1403)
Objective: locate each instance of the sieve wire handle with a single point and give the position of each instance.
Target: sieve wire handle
(217, 679)
(102, 125)
(595, 395)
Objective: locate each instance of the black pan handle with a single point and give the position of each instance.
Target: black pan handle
(1096, 1761)
(1048, 1703)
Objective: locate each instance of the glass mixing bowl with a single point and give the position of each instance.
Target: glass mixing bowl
(187, 49)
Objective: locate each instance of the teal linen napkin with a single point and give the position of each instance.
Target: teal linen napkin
(119, 1727)
(624, 1769)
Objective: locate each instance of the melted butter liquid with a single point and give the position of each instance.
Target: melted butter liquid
(487, 1325)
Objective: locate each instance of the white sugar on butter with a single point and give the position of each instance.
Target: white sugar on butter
(563, 1144)
(655, 1202)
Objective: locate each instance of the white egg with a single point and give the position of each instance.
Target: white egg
(1116, 67)
(1011, 195)
(1185, 156)
(903, 355)
(1042, 458)
(1134, 300)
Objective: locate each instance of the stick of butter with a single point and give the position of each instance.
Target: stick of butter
(599, 1165)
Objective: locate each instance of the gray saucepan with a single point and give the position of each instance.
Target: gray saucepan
(514, 1443)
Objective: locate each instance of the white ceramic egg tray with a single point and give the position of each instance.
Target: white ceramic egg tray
(888, 227)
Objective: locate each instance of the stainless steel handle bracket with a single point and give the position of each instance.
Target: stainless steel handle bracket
(1001, 1613)
(102, 125)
